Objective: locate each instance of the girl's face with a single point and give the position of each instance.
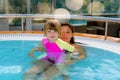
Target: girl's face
(52, 35)
(66, 34)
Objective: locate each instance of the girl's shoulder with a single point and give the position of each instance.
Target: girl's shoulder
(44, 40)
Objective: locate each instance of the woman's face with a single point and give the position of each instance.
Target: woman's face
(66, 34)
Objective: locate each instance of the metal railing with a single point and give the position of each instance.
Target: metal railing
(77, 17)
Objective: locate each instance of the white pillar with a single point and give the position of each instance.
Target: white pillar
(28, 24)
(28, 20)
(4, 26)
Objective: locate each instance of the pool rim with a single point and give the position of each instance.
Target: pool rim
(92, 42)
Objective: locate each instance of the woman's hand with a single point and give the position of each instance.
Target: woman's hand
(80, 51)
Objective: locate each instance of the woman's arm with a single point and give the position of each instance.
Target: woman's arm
(81, 54)
(81, 51)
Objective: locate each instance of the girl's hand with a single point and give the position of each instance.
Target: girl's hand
(31, 53)
(37, 48)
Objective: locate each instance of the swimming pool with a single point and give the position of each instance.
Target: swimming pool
(101, 63)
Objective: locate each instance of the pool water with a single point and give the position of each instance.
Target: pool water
(99, 65)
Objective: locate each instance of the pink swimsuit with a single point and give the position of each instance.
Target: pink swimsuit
(53, 51)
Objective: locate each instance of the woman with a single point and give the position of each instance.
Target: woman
(67, 36)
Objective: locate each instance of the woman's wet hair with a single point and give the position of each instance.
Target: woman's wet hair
(72, 41)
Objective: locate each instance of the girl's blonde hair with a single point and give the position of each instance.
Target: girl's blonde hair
(53, 24)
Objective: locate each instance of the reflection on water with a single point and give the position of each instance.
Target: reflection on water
(98, 65)
(10, 69)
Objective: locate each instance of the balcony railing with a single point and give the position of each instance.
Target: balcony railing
(77, 17)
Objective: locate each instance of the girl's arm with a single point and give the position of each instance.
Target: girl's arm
(41, 48)
(31, 53)
(65, 46)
